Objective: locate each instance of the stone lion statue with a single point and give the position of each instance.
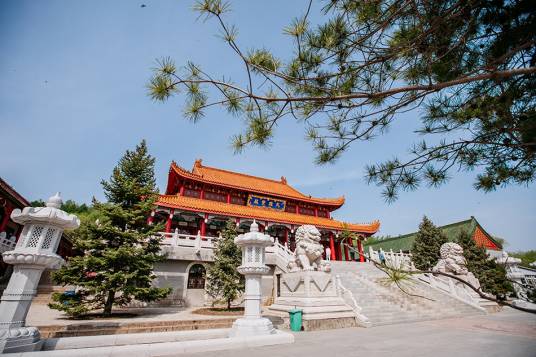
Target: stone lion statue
(308, 252)
(453, 262)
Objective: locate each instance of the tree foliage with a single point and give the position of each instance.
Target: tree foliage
(527, 257)
(425, 250)
(467, 66)
(119, 248)
(69, 206)
(492, 276)
(223, 280)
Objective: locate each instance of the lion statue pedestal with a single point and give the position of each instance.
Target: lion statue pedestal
(310, 287)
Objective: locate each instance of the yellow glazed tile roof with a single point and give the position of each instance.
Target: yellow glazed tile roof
(250, 183)
(262, 214)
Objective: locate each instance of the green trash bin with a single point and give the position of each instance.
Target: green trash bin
(295, 319)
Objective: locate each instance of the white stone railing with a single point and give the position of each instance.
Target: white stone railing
(6, 243)
(349, 298)
(396, 260)
(451, 287)
(175, 239)
(281, 250)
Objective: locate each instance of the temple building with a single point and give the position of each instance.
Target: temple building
(481, 237)
(200, 201)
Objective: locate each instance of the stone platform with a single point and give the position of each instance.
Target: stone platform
(315, 293)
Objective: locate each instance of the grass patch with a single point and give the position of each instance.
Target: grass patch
(219, 311)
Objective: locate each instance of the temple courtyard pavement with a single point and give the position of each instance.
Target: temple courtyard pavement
(506, 333)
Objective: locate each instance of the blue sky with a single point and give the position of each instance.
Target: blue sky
(73, 99)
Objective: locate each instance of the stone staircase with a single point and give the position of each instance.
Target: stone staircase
(384, 303)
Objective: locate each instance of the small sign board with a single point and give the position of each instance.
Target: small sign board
(266, 202)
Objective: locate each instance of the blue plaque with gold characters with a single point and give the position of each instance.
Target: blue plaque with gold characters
(266, 202)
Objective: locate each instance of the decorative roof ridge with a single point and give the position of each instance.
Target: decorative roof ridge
(417, 231)
(247, 175)
(490, 237)
(198, 164)
(174, 165)
(11, 191)
(450, 225)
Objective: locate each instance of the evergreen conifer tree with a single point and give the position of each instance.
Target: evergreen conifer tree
(119, 249)
(491, 275)
(223, 280)
(427, 244)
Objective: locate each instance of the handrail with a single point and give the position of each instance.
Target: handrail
(342, 291)
(450, 287)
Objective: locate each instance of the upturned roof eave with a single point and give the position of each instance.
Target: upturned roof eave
(333, 203)
(368, 229)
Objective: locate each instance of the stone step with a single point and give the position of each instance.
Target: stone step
(384, 304)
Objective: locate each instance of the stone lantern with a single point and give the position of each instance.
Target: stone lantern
(35, 251)
(253, 246)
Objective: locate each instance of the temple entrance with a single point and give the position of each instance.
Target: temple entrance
(196, 277)
(195, 285)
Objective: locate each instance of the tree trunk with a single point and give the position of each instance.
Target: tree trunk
(109, 303)
(228, 304)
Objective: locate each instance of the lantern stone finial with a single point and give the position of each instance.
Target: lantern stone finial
(254, 227)
(55, 201)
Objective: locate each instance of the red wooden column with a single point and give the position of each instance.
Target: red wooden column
(346, 255)
(228, 198)
(355, 245)
(150, 220)
(168, 222)
(181, 191)
(338, 252)
(360, 249)
(204, 225)
(332, 246)
(8, 209)
(286, 236)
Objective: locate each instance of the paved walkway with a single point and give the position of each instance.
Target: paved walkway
(508, 333)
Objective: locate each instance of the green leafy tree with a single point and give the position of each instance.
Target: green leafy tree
(491, 275)
(468, 67)
(526, 257)
(427, 243)
(68, 206)
(119, 247)
(223, 280)
(349, 238)
(375, 239)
